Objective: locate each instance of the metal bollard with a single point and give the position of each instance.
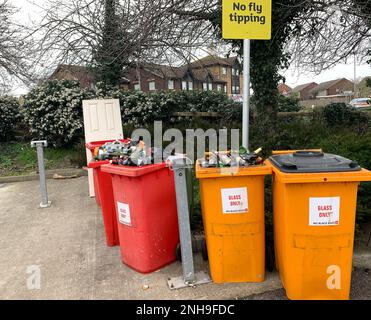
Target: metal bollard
(190, 278)
(40, 145)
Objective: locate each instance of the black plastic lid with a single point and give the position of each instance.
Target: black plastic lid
(312, 162)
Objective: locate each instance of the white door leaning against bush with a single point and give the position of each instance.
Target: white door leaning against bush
(102, 121)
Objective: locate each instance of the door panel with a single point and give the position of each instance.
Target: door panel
(102, 121)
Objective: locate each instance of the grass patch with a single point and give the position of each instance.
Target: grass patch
(18, 158)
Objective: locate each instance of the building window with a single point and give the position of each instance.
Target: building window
(210, 86)
(219, 87)
(204, 86)
(237, 72)
(225, 88)
(170, 84)
(190, 85)
(184, 85)
(137, 87)
(152, 86)
(233, 72)
(224, 71)
(235, 89)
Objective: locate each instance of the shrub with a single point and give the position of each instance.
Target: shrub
(288, 104)
(9, 114)
(53, 111)
(340, 115)
(141, 109)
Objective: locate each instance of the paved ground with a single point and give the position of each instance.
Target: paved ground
(67, 243)
(360, 290)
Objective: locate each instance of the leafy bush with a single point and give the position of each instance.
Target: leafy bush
(288, 104)
(340, 115)
(140, 109)
(9, 114)
(53, 111)
(344, 141)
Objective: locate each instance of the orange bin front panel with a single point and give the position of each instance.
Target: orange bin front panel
(314, 252)
(233, 216)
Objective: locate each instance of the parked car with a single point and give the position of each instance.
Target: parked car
(361, 103)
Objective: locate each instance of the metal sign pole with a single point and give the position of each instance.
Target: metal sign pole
(39, 145)
(246, 93)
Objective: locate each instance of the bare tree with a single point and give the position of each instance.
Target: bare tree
(72, 31)
(14, 48)
(330, 33)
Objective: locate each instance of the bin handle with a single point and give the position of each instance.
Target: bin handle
(309, 154)
(170, 161)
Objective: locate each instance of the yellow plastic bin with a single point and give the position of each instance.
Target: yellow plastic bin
(314, 203)
(232, 202)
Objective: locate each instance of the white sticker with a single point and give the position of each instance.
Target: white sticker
(124, 213)
(324, 211)
(235, 200)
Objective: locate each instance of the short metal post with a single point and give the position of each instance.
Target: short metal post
(184, 226)
(40, 145)
(190, 278)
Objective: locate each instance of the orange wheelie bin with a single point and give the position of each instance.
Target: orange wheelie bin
(232, 201)
(314, 202)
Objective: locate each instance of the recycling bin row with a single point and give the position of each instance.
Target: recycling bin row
(314, 204)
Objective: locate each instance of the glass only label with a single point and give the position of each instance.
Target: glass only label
(235, 200)
(124, 213)
(324, 211)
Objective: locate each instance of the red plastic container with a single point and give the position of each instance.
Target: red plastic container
(147, 215)
(92, 146)
(104, 181)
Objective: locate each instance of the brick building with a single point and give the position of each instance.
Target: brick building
(209, 73)
(81, 74)
(284, 89)
(303, 92)
(333, 88)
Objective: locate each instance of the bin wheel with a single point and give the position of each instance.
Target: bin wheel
(270, 257)
(178, 253)
(204, 250)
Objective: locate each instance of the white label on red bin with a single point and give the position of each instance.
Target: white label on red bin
(324, 211)
(124, 213)
(235, 200)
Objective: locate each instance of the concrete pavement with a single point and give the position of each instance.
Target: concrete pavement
(67, 243)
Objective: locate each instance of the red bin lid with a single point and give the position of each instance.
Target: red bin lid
(132, 171)
(97, 144)
(96, 164)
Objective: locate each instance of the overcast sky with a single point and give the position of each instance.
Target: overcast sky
(293, 76)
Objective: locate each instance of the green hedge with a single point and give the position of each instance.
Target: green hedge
(142, 109)
(53, 111)
(9, 115)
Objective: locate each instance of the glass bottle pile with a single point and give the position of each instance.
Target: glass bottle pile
(132, 153)
(222, 159)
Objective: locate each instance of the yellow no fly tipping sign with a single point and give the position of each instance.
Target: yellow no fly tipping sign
(247, 19)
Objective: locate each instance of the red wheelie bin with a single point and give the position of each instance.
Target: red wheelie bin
(147, 215)
(92, 146)
(104, 181)
(104, 194)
